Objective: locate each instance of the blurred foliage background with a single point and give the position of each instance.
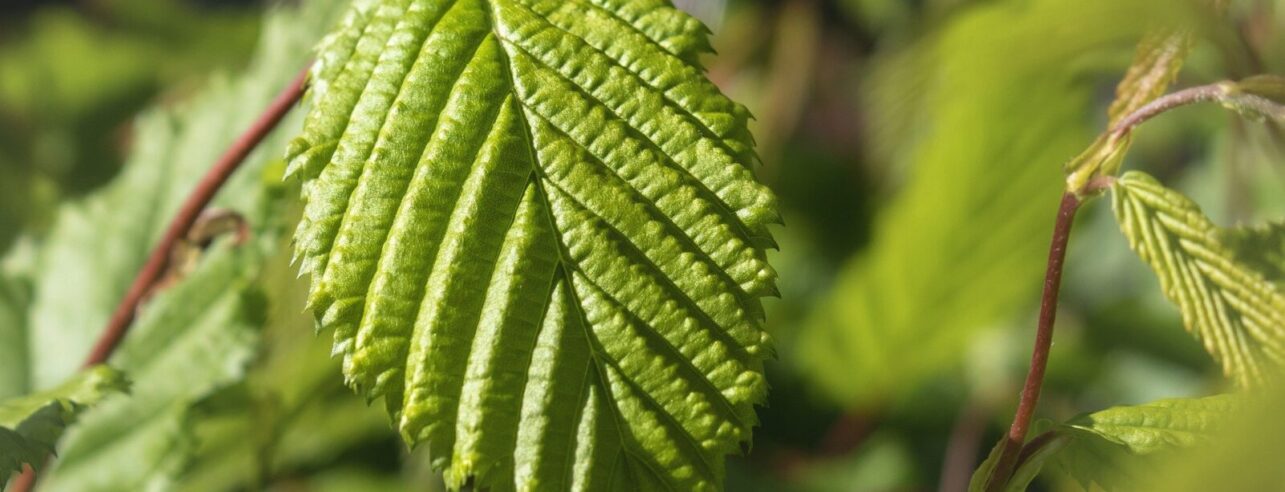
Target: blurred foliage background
(916, 146)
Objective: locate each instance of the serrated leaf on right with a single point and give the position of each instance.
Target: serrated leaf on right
(1233, 308)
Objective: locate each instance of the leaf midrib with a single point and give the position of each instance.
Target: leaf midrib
(564, 264)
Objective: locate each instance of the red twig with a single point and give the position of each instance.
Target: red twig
(1043, 342)
(196, 202)
(187, 215)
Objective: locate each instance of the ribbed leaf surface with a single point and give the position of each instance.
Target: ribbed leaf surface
(1156, 64)
(1120, 448)
(31, 424)
(1236, 311)
(535, 232)
(1159, 425)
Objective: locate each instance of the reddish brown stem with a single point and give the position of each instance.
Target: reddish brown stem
(1012, 445)
(1190, 95)
(196, 202)
(191, 209)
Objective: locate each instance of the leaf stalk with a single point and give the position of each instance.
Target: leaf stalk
(1016, 436)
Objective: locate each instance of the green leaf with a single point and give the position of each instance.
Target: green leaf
(1119, 447)
(186, 343)
(1261, 248)
(31, 424)
(1155, 66)
(1116, 448)
(983, 472)
(1159, 425)
(198, 331)
(1270, 87)
(1157, 60)
(1245, 454)
(1232, 308)
(533, 228)
(961, 247)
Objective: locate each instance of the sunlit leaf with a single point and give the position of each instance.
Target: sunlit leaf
(1118, 448)
(1155, 66)
(1235, 310)
(533, 228)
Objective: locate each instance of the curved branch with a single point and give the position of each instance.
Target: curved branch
(153, 270)
(196, 202)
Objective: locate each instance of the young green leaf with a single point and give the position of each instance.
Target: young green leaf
(1157, 60)
(1118, 448)
(1261, 248)
(1159, 425)
(1233, 308)
(31, 424)
(533, 228)
(1155, 66)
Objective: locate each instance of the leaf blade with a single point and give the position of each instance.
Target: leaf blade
(31, 424)
(1236, 312)
(508, 201)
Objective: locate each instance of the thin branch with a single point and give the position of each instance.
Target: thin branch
(1043, 342)
(196, 202)
(1190, 95)
(157, 263)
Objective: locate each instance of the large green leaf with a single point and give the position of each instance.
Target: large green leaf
(535, 232)
(1234, 309)
(31, 424)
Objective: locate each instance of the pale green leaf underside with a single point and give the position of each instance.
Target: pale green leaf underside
(1118, 448)
(31, 424)
(534, 229)
(1237, 312)
(1159, 425)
